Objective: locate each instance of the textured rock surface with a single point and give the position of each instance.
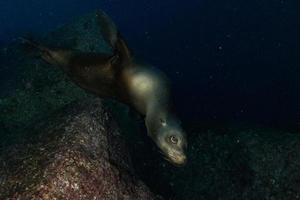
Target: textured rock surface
(79, 154)
(227, 163)
(30, 89)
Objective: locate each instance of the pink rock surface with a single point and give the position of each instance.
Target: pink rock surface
(79, 154)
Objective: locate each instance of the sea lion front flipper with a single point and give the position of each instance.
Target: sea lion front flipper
(114, 59)
(113, 37)
(109, 30)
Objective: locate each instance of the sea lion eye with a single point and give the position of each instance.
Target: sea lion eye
(174, 139)
(163, 122)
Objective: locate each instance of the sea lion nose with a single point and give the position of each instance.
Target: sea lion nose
(180, 160)
(183, 160)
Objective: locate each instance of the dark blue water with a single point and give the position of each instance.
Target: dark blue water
(230, 61)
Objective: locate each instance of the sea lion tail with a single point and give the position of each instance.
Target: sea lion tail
(113, 37)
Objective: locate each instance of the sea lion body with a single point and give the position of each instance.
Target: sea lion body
(138, 85)
(94, 72)
(146, 87)
(119, 76)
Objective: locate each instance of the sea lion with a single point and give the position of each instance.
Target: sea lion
(119, 76)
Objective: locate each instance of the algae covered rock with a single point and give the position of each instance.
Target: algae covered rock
(77, 154)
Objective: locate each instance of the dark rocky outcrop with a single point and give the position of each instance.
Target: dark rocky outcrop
(30, 89)
(78, 154)
(227, 163)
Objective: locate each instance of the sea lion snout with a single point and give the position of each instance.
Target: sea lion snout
(177, 158)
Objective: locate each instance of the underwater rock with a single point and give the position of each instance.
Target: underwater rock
(77, 154)
(227, 163)
(30, 89)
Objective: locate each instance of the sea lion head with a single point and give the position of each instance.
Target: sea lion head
(171, 140)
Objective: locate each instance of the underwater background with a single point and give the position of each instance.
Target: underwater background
(234, 67)
(228, 60)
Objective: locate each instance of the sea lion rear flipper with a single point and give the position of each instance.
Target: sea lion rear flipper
(35, 48)
(113, 37)
(32, 46)
(39, 50)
